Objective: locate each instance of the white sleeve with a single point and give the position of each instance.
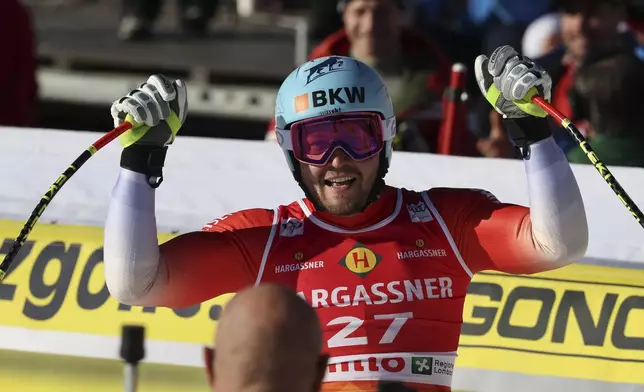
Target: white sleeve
(134, 273)
(559, 225)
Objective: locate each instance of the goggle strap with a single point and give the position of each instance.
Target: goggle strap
(284, 138)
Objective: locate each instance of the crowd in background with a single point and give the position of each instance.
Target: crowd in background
(593, 50)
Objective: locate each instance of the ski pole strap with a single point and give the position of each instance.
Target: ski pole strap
(145, 159)
(527, 130)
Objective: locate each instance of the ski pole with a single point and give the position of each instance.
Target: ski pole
(592, 157)
(53, 190)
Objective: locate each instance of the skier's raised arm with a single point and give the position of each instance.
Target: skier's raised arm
(187, 269)
(553, 231)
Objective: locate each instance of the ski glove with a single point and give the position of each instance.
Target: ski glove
(157, 110)
(509, 81)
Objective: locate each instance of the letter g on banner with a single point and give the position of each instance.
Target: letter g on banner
(52, 294)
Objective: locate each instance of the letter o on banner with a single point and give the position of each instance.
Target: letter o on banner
(393, 365)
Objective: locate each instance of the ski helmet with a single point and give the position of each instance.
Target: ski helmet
(329, 86)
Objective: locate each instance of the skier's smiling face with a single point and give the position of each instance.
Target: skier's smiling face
(341, 186)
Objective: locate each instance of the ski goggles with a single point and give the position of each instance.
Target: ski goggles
(359, 135)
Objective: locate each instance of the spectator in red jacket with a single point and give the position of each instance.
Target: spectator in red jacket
(415, 69)
(18, 66)
(589, 30)
(587, 27)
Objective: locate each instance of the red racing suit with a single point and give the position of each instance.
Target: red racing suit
(388, 284)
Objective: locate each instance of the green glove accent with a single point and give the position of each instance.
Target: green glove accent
(174, 122)
(133, 134)
(139, 130)
(526, 104)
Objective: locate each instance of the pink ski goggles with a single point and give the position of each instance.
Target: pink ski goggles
(359, 135)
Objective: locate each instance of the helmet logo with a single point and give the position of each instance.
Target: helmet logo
(335, 96)
(330, 65)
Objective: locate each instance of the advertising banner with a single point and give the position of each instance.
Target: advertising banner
(581, 321)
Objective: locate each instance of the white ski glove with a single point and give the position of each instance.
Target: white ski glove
(509, 81)
(157, 110)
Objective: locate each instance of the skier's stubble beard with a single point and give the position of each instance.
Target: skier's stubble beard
(342, 186)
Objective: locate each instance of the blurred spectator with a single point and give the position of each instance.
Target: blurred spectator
(324, 18)
(607, 92)
(542, 36)
(588, 28)
(497, 144)
(139, 17)
(18, 66)
(466, 28)
(268, 339)
(506, 18)
(504, 22)
(415, 69)
(448, 24)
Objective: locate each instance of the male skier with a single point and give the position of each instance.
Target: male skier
(386, 269)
